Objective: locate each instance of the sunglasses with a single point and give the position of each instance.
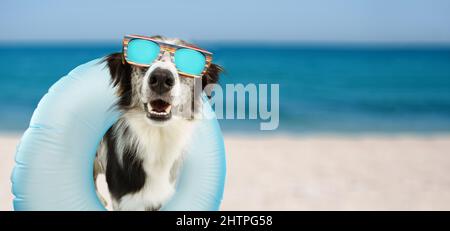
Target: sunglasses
(189, 60)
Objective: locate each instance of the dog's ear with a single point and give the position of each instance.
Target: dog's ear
(120, 77)
(212, 75)
(120, 72)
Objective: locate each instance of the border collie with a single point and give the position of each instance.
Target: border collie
(142, 152)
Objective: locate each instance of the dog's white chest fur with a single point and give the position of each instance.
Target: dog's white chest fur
(156, 191)
(159, 148)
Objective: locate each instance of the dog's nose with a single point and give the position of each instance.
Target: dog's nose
(161, 80)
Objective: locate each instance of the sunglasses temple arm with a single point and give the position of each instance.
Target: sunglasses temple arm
(123, 56)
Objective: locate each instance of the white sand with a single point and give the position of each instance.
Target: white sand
(320, 173)
(7, 150)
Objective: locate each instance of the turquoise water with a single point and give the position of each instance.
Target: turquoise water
(327, 89)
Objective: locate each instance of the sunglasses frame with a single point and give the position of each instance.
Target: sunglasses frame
(171, 48)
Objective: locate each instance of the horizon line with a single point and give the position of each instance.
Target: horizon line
(281, 43)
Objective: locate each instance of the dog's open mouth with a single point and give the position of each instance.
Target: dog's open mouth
(158, 110)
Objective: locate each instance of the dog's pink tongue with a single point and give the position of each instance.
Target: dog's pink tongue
(159, 105)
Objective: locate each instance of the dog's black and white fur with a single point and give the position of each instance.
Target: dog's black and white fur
(142, 152)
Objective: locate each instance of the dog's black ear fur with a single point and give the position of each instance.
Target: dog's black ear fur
(212, 75)
(120, 72)
(121, 77)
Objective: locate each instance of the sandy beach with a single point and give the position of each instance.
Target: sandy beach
(367, 172)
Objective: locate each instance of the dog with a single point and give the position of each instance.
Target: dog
(141, 154)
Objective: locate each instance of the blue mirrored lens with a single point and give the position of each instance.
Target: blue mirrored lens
(190, 61)
(142, 51)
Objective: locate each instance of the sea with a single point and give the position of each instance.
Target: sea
(323, 88)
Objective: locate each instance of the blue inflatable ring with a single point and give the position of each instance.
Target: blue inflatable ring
(54, 160)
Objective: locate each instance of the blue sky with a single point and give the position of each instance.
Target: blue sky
(393, 21)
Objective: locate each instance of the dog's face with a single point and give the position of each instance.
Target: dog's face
(158, 92)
